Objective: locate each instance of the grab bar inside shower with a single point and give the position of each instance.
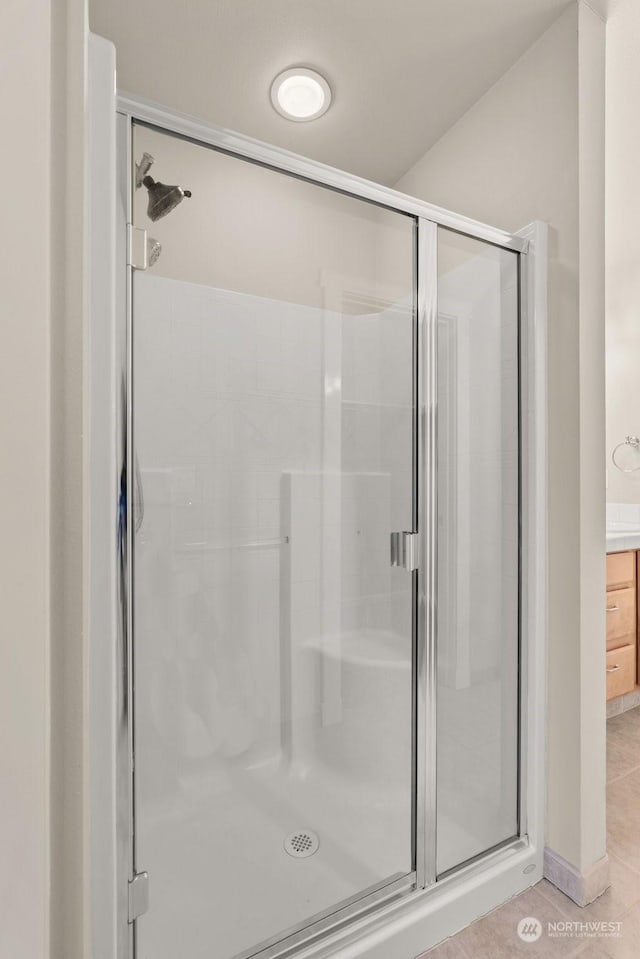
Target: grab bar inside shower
(206, 547)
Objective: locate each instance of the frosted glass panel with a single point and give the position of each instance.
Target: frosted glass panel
(477, 556)
(273, 414)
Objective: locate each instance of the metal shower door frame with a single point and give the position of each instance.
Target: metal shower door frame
(351, 919)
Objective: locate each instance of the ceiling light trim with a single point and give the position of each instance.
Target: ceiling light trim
(301, 94)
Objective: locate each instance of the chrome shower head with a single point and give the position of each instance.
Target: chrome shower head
(162, 198)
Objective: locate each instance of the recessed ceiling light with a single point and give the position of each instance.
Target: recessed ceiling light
(300, 94)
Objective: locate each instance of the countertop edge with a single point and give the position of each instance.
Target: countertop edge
(619, 543)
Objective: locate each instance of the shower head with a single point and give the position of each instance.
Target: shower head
(162, 198)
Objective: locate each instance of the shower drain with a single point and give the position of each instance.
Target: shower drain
(301, 843)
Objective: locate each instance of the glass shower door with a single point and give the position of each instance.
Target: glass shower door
(273, 422)
(478, 556)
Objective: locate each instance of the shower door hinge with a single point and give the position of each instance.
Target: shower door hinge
(138, 895)
(404, 550)
(136, 247)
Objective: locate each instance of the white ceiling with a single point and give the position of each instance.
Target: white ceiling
(402, 71)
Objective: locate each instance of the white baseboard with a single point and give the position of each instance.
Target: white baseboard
(582, 887)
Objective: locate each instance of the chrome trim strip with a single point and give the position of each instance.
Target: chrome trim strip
(483, 859)
(130, 558)
(523, 540)
(237, 144)
(130, 525)
(533, 392)
(427, 527)
(124, 798)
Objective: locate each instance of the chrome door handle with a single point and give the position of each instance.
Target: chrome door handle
(613, 669)
(612, 609)
(404, 550)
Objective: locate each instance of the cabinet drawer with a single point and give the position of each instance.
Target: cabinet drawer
(621, 570)
(621, 617)
(621, 671)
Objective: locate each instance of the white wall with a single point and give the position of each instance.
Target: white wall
(25, 53)
(622, 248)
(591, 653)
(68, 532)
(41, 693)
(531, 148)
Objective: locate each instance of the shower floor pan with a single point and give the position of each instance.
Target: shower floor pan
(221, 879)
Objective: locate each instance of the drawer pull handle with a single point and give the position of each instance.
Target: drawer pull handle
(613, 669)
(612, 609)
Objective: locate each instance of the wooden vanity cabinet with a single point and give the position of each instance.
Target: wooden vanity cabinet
(622, 622)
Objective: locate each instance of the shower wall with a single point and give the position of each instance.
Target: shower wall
(291, 243)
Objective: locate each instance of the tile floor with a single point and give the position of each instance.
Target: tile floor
(495, 937)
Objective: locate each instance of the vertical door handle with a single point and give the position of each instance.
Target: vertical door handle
(404, 550)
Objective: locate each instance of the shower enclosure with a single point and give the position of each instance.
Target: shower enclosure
(326, 534)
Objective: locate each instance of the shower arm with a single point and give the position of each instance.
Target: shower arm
(143, 168)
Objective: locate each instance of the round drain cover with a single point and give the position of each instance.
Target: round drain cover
(301, 843)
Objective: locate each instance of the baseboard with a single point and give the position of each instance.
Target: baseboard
(623, 703)
(582, 887)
